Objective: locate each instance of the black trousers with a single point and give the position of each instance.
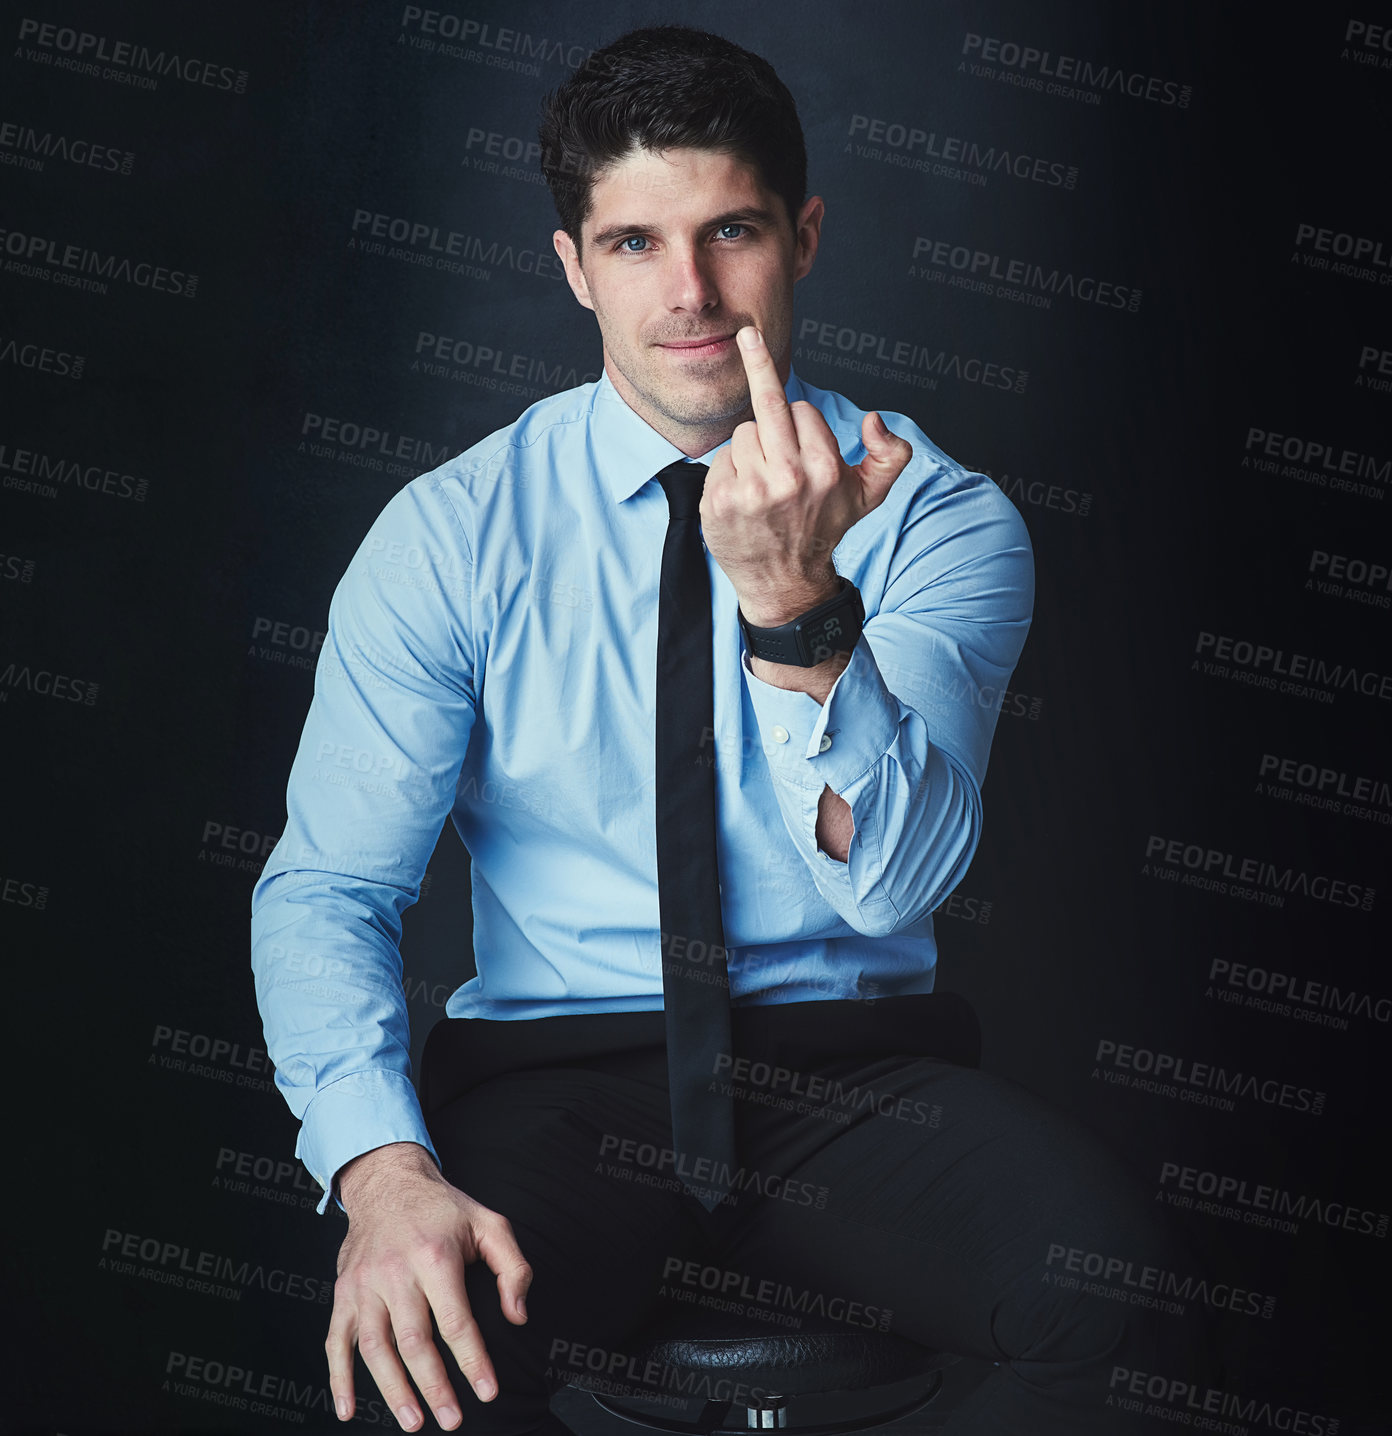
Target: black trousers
(883, 1184)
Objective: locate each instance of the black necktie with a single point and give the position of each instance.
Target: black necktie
(695, 975)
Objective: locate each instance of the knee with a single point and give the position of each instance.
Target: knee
(1113, 1328)
(1119, 1283)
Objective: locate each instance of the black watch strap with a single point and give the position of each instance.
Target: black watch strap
(812, 637)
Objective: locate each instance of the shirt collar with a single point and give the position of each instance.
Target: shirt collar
(627, 451)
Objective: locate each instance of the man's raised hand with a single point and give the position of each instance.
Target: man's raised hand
(779, 497)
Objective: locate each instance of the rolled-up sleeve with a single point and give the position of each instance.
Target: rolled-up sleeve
(372, 783)
(905, 733)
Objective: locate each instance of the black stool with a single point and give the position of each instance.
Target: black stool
(735, 1375)
(750, 1376)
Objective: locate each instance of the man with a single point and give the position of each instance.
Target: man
(501, 651)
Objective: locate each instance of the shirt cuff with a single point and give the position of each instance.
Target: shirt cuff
(828, 744)
(354, 1115)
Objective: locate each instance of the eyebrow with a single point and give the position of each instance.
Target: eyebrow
(751, 215)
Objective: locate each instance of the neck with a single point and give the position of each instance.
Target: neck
(693, 439)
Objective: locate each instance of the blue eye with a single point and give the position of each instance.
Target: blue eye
(628, 245)
(724, 229)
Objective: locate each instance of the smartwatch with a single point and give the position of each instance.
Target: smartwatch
(812, 637)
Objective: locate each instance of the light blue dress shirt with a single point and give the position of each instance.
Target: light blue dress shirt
(490, 657)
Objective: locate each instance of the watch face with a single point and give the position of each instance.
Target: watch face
(826, 636)
(807, 642)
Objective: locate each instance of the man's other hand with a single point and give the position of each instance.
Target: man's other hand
(779, 497)
(410, 1237)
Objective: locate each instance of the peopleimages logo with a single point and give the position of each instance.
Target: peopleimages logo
(648, 1164)
(1262, 666)
(17, 568)
(493, 366)
(32, 471)
(23, 678)
(367, 446)
(1374, 369)
(1037, 492)
(40, 359)
(980, 271)
(1065, 76)
(1172, 1398)
(451, 251)
(36, 256)
(23, 894)
(242, 1388)
(733, 1288)
(1341, 576)
(1287, 994)
(277, 1179)
(122, 60)
(499, 46)
(901, 360)
(1141, 1285)
(175, 1263)
(1259, 1204)
(1365, 40)
(1210, 867)
(912, 147)
(1356, 256)
(1312, 461)
(620, 1373)
(1199, 1082)
(1316, 785)
(27, 148)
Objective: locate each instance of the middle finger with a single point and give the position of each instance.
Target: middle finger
(773, 418)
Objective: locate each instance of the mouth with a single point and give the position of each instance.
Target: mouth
(714, 347)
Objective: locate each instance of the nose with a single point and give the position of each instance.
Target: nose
(690, 283)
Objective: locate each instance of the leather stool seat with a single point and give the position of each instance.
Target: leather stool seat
(748, 1371)
(819, 1355)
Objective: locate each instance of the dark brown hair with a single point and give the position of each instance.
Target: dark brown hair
(669, 87)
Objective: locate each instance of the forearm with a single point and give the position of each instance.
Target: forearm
(372, 1173)
(885, 820)
(835, 825)
(328, 984)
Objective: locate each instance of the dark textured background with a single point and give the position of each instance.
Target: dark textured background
(181, 599)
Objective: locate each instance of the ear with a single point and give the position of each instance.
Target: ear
(807, 235)
(575, 276)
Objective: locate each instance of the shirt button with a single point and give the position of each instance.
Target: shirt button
(779, 734)
(825, 743)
